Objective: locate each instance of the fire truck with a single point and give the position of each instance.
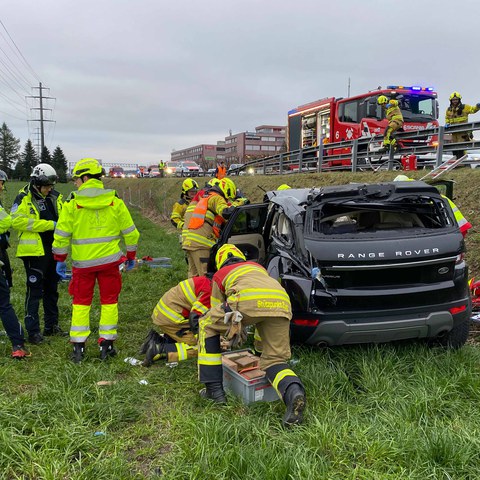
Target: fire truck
(339, 119)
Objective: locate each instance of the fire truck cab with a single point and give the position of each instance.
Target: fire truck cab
(338, 119)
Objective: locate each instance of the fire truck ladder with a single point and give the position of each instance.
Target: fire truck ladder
(449, 164)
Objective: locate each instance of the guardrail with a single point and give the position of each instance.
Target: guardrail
(358, 153)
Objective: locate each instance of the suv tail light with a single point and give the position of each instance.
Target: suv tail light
(460, 258)
(306, 322)
(455, 310)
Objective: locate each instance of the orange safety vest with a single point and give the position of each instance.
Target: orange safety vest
(200, 214)
(221, 172)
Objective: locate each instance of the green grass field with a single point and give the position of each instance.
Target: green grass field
(401, 411)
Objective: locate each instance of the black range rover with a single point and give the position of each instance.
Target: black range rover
(361, 263)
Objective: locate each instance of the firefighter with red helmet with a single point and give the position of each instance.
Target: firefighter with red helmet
(203, 223)
(395, 121)
(458, 112)
(177, 314)
(92, 222)
(189, 190)
(244, 294)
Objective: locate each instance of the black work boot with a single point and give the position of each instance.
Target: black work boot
(295, 401)
(155, 350)
(214, 391)
(152, 334)
(106, 348)
(35, 338)
(78, 352)
(54, 330)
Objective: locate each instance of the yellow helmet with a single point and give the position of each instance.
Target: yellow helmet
(284, 186)
(87, 166)
(214, 181)
(188, 185)
(226, 252)
(455, 95)
(402, 178)
(228, 188)
(382, 100)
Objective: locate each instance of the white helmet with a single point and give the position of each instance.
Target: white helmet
(44, 174)
(3, 176)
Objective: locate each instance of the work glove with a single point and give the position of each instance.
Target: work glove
(129, 264)
(193, 321)
(236, 335)
(61, 269)
(238, 202)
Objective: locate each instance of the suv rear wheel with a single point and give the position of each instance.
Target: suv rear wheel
(455, 338)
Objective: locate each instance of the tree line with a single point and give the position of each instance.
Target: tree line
(18, 164)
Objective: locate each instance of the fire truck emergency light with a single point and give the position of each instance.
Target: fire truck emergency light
(414, 88)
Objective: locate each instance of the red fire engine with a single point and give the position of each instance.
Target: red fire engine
(338, 119)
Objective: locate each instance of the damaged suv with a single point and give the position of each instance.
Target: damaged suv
(361, 263)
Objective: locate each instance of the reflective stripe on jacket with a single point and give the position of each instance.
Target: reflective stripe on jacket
(394, 114)
(93, 221)
(248, 288)
(462, 222)
(453, 115)
(202, 214)
(26, 221)
(192, 294)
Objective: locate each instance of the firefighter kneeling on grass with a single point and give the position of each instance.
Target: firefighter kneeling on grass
(244, 294)
(177, 314)
(203, 223)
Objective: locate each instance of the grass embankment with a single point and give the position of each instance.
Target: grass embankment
(374, 412)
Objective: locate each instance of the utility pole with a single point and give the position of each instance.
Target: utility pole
(348, 90)
(41, 97)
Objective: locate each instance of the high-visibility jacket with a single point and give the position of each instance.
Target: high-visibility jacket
(92, 221)
(26, 221)
(191, 295)
(248, 288)
(394, 114)
(178, 212)
(462, 222)
(221, 172)
(5, 224)
(203, 236)
(460, 113)
(202, 214)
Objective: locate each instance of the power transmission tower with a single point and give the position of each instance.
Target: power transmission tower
(41, 108)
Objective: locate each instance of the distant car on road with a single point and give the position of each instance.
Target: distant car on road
(211, 172)
(171, 169)
(188, 169)
(116, 172)
(235, 169)
(154, 171)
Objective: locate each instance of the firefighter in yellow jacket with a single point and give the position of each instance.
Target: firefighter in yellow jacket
(35, 212)
(456, 113)
(395, 121)
(244, 293)
(92, 222)
(203, 223)
(177, 314)
(189, 189)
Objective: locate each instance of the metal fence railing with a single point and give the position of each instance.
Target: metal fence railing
(359, 154)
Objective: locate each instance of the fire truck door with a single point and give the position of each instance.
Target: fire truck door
(324, 126)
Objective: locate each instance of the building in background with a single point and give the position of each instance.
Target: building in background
(204, 155)
(242, 147)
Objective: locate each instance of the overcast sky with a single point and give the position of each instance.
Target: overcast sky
(134, 80)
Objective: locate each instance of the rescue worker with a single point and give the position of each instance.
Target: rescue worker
(221, 170)
(189, 189)
(35, 213)
(9, 318)
(92, 221)
(203, 223)
(395, 122)
(456, 113)
(244, 293)
(161, 168)
(463, 224)
(177, 314)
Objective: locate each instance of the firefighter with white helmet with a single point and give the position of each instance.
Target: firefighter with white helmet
(177, 314)
(244, 294)
(189, 189)
(203, 223)
(35, 213)
(458, 112)
(92, 222)
(395, 121)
